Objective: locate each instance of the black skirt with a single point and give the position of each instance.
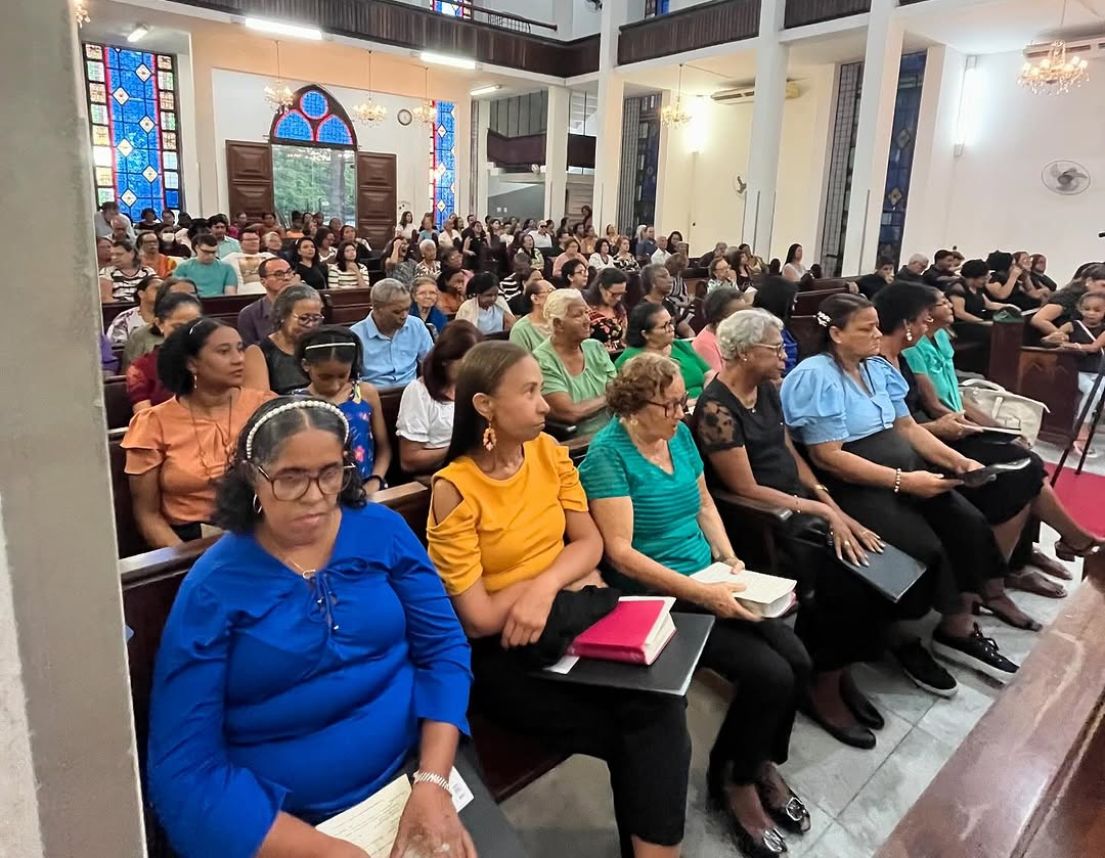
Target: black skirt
(1011, 492)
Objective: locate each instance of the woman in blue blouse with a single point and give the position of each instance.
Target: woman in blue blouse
(309, 653)
(777, 296)
(847, 406)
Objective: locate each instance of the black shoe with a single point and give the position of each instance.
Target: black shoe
(976, 652)
(856, 735)
(767, 845)
(919, 665)
(793, 816)
(861, 707)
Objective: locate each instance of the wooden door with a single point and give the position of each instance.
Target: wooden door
(376, 215)
(249, 177)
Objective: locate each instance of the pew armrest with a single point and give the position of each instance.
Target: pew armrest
(758, 508)
(561, 431)
(152, 564)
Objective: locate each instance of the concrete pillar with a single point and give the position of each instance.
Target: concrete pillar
(608, 145)
(479, 163)
(69, 783)
(882, 59)
(930, 183)
(556, 153)
(767, 130)
(462, 152)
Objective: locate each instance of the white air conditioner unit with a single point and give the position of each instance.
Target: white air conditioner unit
(1092, 48)
(747, 94)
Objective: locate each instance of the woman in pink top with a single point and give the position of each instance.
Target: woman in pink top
(571, 251)
(718, 306)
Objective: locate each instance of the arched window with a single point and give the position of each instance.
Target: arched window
(314, 157)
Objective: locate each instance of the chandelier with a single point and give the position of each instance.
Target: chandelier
(278, 94)
(369, 112)
(425, 113)
(80, 13)
(1054, 73)
(675, 115)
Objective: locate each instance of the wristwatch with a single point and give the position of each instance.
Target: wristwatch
(421, 777)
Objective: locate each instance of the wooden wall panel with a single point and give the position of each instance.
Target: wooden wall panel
(689, 29)
(801, 12)
(376, 197)
(249, 177)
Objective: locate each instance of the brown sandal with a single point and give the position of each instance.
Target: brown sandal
(1032, 581)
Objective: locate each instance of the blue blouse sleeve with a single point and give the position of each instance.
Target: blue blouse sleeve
(895, 384)
(438, 646)
(813, 403)
(208, 805)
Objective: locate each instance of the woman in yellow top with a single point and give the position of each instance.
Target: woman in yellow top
(508, 531)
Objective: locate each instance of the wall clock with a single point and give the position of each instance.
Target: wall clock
(404, 117)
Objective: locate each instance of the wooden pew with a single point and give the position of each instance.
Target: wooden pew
(807, 332)
(346, 306)
(117, 408)
(150, 583)
(1028, 780)
(129, 540)
(1051, 377)
(807, 303)
(390, 398)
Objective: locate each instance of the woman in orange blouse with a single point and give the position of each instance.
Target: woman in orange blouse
(509, 530)
(178, 449)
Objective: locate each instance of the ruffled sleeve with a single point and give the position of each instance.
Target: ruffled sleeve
(144, 442)
(572, 497)
(892, 382)
(454, 543)
(813, 403)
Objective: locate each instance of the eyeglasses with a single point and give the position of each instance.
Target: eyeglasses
(780, 350)
(283, 273)
(669, 325)
(308, 318)
(294, 485)
(673, 408)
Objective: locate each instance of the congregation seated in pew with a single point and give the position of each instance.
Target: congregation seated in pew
(1063, 306)
(144, 387)
(652, 330)
(511, 537)
(643, 479)
(394, 341)
(777, 295)
(178, 449)
(255, 320)
(533, 328)
(719, 305)
(309, 654)
(606, 299)
(485, 306)
(424, 297)
(272, 363)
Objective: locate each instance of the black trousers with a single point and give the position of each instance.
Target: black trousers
(769, 668)
(642, 738)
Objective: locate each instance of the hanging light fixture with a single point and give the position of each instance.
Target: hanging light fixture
(675, 115)
(80, 12)
(369, 112)
(1055, 72)
(278, 94)
(425, 112)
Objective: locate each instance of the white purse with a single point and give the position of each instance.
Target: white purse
(1009, 410)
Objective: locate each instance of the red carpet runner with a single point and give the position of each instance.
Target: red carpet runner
(1084, 496)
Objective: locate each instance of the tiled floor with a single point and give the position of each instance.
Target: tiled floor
(855, 797)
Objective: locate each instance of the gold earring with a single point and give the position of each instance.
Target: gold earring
(489, 439)
(908, 334)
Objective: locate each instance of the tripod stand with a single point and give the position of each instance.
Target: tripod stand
(1092, 403)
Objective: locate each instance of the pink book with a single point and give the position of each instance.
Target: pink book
(636, 631)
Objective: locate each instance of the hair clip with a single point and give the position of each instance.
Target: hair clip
(295, 405)
(823, 319)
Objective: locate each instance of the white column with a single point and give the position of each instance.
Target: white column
(608, 144)
(479, 177)
(767, 129)
(556, 153)
(882, 59)
(930, 183)
(68, 780)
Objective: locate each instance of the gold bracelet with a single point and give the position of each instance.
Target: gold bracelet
(823, 489)
(797, 503)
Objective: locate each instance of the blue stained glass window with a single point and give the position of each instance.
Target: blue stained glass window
(899, 167)
(132, 101)
(294, 127)
(444, 166)
(315, 117)
(447, 8)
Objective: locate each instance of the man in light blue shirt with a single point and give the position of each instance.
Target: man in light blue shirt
(394, 341)
(219, 226)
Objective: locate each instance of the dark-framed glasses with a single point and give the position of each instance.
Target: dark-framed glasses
(671, 409)
(308, 318)
(292, 485)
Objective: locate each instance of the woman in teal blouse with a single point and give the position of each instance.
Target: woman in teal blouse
(644, 482)
(934, 356)
(652, 329)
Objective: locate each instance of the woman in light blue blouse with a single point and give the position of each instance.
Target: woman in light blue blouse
(847, 406)
(309, 654)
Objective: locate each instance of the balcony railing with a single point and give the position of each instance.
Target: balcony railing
(689, 29)
(420, 29)
(529, 150)
(802, 12)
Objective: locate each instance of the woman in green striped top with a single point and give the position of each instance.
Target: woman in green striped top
(644, 482)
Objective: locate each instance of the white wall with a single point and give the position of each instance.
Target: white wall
(995, 197)
(241, 113)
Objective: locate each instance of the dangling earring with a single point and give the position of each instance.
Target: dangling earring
(257, 505)
(489, 439)
(908, 334)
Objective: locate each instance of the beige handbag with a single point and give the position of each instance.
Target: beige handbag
(1009, 410)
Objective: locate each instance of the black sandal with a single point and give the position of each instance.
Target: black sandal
(793, 816)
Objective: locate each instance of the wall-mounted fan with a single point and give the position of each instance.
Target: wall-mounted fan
(1065, 177)
(739, 185)
(597, 4)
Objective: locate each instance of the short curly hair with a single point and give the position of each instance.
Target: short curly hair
(640, 380)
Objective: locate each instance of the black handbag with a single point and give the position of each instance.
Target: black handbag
(571, 614)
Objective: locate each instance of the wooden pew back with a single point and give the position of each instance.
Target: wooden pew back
(117, 408)
(128, 539)
(808, 303)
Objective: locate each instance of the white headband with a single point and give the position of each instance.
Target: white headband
(295, 406)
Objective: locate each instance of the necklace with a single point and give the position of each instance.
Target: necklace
(305, 574)
(223, 441)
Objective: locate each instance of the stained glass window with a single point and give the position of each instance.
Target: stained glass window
(899, 167)
(443, 173)
(134, 126)
(314, 117)
(447, 8)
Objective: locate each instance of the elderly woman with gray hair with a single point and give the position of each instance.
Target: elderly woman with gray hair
(428, 263)
(393, 341)
(576, 368)
(746, 450)
(271, 364)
